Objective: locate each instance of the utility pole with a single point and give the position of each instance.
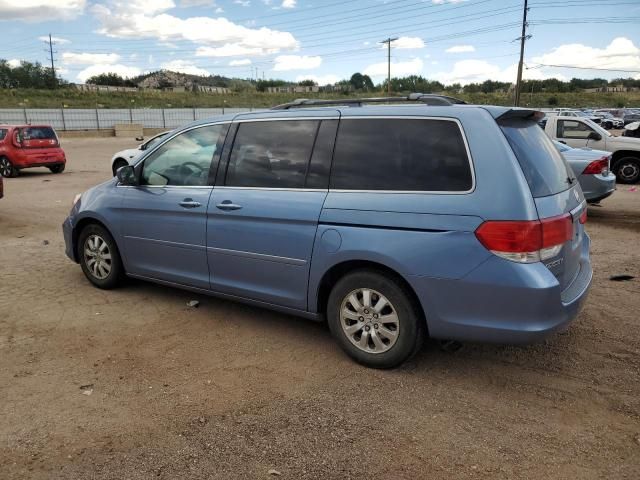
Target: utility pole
(388, 41)
(523, 38)
(53, 69)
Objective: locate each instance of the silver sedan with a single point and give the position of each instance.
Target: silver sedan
(591, 167)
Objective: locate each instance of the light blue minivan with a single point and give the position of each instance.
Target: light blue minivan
(389, 219)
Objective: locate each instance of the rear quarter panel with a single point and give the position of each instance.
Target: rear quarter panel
(426, 234)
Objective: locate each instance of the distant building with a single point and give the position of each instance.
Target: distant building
(209, 89)
(611, 89)
(293, 89)
(89, 87)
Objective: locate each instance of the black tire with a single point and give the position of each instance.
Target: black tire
(627, 170)
(411, 325)
(119, 163)
(91, 271)
(57, 168)
(7, 170)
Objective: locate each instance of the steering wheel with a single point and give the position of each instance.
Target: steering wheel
(191, 175)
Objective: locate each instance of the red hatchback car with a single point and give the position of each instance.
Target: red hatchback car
(26, 146)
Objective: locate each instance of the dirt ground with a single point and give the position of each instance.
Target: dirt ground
(228, 391)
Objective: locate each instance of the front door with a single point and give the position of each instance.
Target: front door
(264, 216)
(575, 133)
(164, 217)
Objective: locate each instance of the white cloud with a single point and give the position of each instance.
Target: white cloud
(461, 49)
(288, 4)
(319, 79)
(296, 62)
(398, 69)
(407, 43)
(14, 62)
(232, 50)
(70, 58)
(141, 19)
(183, 66)
(621, 53)
(40, 10)
(122, 70)
(477, 71)
(58, 40)
(238, 63)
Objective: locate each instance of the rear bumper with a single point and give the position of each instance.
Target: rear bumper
(39, 158)
(597, 187)
(503, 302)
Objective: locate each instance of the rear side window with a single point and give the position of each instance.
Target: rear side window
(543, 166)
(3, 133)
(271, 154)
(38, 133)
(401, 155)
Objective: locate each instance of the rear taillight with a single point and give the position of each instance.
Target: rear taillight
(583, 216)
(526, 241)
(597, 167)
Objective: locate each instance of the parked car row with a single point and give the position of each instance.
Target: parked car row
(377, 218)
(583, 133)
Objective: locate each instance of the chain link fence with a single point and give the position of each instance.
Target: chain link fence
(97, 119)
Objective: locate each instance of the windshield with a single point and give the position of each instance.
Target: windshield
(597, 128)
(544, 167)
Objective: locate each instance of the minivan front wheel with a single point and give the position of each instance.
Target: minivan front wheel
(99, 257)
(374, 320)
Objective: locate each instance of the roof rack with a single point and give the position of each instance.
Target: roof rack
(427, 99)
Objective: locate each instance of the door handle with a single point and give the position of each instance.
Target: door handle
(190, 203)
(228, 205)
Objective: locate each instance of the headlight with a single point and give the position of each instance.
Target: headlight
(76, 199)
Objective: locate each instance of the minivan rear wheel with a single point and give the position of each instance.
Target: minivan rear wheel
(374, 320)
(7, 170)
(99, 257)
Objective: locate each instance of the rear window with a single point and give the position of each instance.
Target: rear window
(402, 155)
(545, 169)
(38, 133)
(3, 133)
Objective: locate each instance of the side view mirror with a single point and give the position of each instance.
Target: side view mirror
(127, 175)
(594, 136)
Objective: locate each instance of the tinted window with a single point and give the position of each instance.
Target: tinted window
(38, 133)
(185, 160)
(411, 155)
(3, 133)
(271, 154)
(544, 167)
(573, 129)
(320, 166)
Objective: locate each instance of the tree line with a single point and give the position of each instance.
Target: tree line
(37, 76)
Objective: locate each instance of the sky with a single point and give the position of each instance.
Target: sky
(451, 41)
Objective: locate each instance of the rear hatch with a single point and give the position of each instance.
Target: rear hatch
(555, 189)
(38, 137)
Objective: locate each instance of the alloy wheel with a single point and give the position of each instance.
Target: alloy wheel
(6, 169)
(97, 256)
(369, 320)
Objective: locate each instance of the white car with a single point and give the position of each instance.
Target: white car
(130, 155)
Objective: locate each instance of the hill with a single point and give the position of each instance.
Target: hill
(168, 78)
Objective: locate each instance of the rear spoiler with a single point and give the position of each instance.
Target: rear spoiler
(522, 114)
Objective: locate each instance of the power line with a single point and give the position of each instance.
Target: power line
(584, 68)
